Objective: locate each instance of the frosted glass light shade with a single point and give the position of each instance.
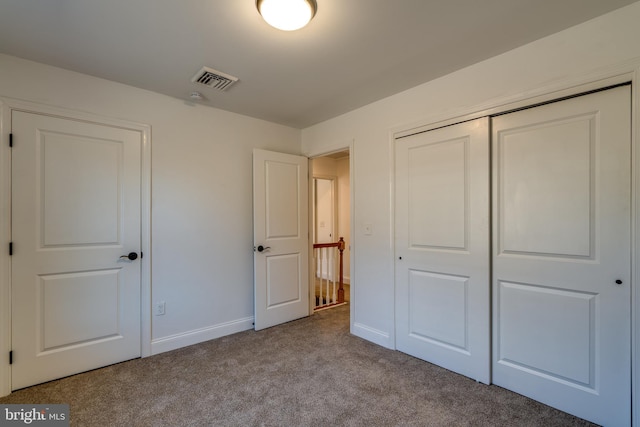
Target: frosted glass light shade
(287, 15)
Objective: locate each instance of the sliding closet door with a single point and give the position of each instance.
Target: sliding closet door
(561, 254)
(442, 247)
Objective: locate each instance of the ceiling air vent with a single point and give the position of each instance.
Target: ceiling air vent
(213, 78)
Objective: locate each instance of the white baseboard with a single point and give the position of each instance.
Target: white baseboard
(374, 335)
(196, 336)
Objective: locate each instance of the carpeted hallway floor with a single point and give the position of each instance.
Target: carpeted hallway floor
(310, 372)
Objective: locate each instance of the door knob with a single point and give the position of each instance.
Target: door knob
(261, 248)
(132, 256)
(618, 282)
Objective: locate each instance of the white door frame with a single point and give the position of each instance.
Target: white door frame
(575, 85)
(7, 105)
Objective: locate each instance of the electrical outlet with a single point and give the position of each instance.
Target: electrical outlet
(158, 308)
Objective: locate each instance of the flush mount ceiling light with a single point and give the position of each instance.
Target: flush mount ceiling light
(287, 15)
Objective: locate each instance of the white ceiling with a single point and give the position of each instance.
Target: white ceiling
(354, 52)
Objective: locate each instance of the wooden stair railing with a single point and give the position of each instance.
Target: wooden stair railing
(328, 299)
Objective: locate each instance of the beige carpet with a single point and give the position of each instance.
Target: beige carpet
(310, 372)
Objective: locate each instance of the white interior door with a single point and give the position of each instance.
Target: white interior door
(561, 243)
(442, 247)
(281, 237)
(75, 211)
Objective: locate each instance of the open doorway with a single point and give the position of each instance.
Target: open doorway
(331, 230)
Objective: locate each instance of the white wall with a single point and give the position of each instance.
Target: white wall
(604, 42)
(202, 226)
(323, 166)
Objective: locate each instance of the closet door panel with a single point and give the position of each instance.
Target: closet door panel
(442, 247)
(561, 254)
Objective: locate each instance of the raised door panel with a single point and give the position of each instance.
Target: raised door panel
(546, 185)
(437, 194)
(81, 193)
(283, 280)
(282, 200)
(560, 321)
(438, 309)
(95, 313)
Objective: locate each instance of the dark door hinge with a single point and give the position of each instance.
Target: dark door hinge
(10, 248)
(11, 357)
(141, 254)
(10, 140)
